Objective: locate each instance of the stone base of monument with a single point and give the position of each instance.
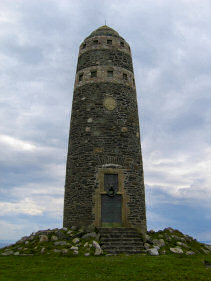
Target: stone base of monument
(121, 240)
(85, 241)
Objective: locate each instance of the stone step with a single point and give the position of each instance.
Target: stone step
(120, 234)
(117, 240)
(131, 252)
(116, 229)
(121, 237)
(114, 244)
(123, 240)
(122, 230)
(119, 231)
(122, 247)
(111, 251)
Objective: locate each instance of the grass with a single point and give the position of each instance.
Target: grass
(136, 267)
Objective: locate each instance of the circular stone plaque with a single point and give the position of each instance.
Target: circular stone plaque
(109, 103)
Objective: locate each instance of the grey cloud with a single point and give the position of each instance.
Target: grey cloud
(26, 54)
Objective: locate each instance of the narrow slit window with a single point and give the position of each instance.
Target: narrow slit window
(84, 46)
(93, 74)
(95, 42)
(124, 76)
(110, 73)
(133, 82)
(122, 44)
(81, 77)
(109, 42)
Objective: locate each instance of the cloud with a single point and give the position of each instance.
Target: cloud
(16, 143)
(34, 206)
(205, 236)
(184, 214)
(26, 206)
(10, 230)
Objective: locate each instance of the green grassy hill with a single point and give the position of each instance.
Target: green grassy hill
(76, 254)
(116, 268)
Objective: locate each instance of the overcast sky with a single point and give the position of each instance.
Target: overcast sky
(171, 48)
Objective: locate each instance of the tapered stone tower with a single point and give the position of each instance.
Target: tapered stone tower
(104, 175)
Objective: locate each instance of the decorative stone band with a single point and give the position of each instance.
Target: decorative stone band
(105, 57)
(103, 74)
(104, 42)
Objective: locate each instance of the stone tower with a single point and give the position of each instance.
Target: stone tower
(104, 175)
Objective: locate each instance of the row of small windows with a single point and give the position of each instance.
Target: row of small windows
(109, 74)
(109, 42)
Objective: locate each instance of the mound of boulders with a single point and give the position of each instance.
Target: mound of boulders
(65, 241)
(79, 241)
(172, 240)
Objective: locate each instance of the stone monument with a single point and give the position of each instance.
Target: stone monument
(104, 174)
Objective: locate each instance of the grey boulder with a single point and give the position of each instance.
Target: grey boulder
(176, 250)
(153, 252)
(90, 235)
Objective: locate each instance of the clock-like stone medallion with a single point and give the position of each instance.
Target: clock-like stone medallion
(110, 103)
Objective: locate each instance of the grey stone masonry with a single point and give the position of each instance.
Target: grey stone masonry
(104, 138)
(110, 57)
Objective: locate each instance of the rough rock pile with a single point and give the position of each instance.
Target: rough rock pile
(171, 240)
(73, 241)
(64, 241)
